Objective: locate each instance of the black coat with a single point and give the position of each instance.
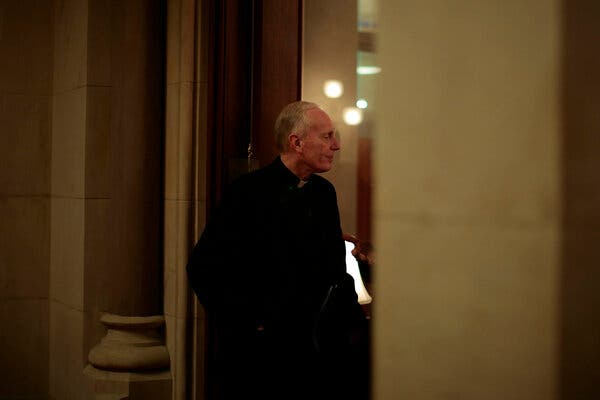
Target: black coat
(270, 270)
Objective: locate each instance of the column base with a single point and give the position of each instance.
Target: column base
(111, 385)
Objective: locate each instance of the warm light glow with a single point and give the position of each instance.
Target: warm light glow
(354, 271)
(368, 69)
(333, 89)
(353, 115)
(362, 103)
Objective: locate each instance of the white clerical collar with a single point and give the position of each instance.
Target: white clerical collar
(302, 183)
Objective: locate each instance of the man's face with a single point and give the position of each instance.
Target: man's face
(319, 143)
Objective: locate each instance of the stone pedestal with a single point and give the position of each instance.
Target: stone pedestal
(110, 385)
(131, 361)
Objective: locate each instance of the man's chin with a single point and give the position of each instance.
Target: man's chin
(325, 168)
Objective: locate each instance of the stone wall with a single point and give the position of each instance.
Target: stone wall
(26, 44)
(81, 150)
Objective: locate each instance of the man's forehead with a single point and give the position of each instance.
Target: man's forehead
(323, 128)
(318, 119)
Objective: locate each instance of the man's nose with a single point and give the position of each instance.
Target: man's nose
(335, 145)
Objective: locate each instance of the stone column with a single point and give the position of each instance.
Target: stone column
(131, 361)
(106, 243)
(185, 189)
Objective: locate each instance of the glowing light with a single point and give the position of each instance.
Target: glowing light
(333, 89)
(353, 115)
(362, 103)
(368, 69)
(354, 271)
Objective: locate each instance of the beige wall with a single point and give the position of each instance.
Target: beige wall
(468, 200)
(26, 42)
(488, 201)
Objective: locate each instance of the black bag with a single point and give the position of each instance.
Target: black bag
(341, 322)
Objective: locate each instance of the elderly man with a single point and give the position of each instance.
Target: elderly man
(270, 270)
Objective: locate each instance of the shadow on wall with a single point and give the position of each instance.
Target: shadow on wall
(580, 280)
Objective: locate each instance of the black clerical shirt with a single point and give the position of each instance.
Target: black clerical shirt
(272, 249)
(265, 266)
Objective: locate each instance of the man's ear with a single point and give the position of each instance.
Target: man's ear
(294, 141)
